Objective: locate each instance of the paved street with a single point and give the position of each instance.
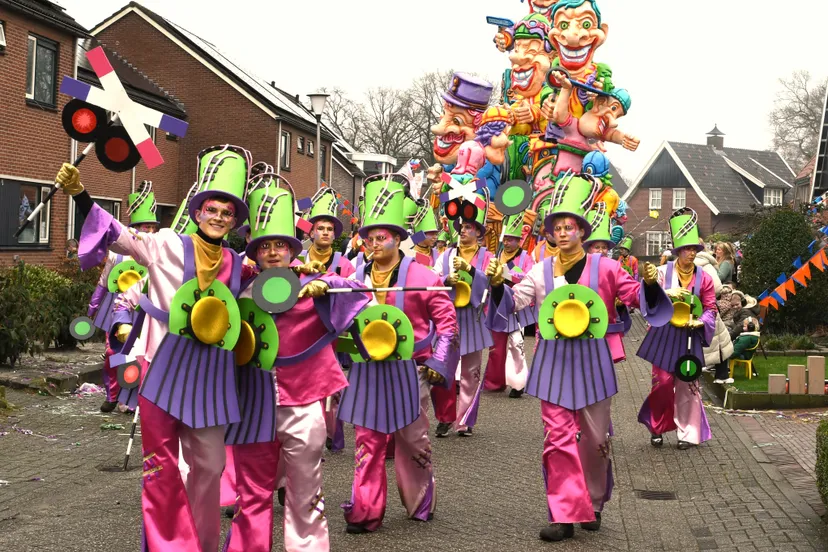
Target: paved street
(745, 490)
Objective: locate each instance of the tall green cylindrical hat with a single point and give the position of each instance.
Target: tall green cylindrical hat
(142, 205)
(272, 213)
(444, 236)
(182, 223)
(223, 172)
(513, 225)
(325, 207)
(684, 229)
(573, 196)
(626, 243)
(420, 216)
(599, 220)
(384, 204)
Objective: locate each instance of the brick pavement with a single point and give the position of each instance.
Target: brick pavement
(728, 493)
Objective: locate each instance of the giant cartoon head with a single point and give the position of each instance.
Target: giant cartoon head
(577, 32)
(532, 55)
(604, 114)
(543, 7)
(465, 100)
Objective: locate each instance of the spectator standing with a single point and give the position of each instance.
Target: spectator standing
(726, 259)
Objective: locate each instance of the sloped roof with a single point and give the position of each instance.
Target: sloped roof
(766, 166)
(139, 87)
(48, 12)
(807, 171)
(278, 101)
(618, 183)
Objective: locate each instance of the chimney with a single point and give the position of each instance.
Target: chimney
(273, 84)
(715, 138)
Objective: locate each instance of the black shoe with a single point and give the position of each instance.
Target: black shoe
(229, 512)
(280, 496)
(356, 529)
(329, 443)
(515, 394)
(684, 445)
(465, 432)
(108, 406)
(592, 525)
(656, 440)
(555, 532)
(442, 429)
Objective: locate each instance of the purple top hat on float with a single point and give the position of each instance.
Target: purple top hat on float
(468, 91)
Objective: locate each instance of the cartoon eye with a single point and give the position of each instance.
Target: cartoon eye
(614, 107)
(587, 25)
(457, 121)
(564, 25)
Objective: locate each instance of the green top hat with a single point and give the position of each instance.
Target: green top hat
(384, 204)
(420, 216)
(324, 207)
(684, 229)
(599, 221)
(444, 236)
(626, 243)
(222, 172)
(142, 205)
(513, 225)
(272, 213)
(182, 223)
(573, 197)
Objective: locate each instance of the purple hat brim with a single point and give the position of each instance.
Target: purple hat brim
(252, 248)
(242, 212)
(336, 222)
(587, 243)
(453, 100)
(585, 225)
(698, 246)
(363, 231)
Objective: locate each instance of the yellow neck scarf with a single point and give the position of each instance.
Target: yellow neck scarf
(684, 276)
(381, 279)
(566, 261)
(506, 257)
(467, 252)
(207, 260)
(423, 250)
(316, 254)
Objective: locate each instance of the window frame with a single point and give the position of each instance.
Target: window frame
(116, 202)
(42, 228)
(683, 192)
(2, 37)
(769, 202)
(663, 239)
(311, 148)
(650, 198)
(284, 154)
(300, 145)
(48, 44)
(159, 211)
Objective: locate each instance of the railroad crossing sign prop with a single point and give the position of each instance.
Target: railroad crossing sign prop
(118, 148)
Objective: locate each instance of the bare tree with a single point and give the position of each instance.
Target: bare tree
(796, 118)
(387, 129)
(346, 117)
(425, 109)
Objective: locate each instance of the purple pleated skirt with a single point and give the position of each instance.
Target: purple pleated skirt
(382, 396)
(522, 318)
(103, 318)
(664, 345)
(572, 373)
(193, 382)
(257, 398)
(474, 335)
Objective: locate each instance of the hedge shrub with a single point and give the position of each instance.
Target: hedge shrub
(822, 460)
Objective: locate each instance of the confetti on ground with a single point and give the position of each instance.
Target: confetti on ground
(89, 389)
(112, 426)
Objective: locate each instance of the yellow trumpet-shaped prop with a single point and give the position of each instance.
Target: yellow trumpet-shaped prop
(246, 345)
(571, 318)
(210, 320)
(462, 294)
(127, 279)
(681, 314)
(380, 339)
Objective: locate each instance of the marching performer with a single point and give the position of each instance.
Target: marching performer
(406, 338)
(193, 326)
(297, 345)
(507, 362)
(628, 262)
(126, 273)
(423, 225)
(674, 404)
(572, 371)
(464, 267)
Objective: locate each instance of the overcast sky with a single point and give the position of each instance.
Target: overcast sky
(688, 65)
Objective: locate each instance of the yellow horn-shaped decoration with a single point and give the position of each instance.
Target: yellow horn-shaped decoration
(379, 338)
(462, 294)
(571, 318)
(681, 314)
(246, 345)
(128, 279)
(210, 320)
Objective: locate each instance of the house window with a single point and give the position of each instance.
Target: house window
(165, 214)
(17, 201)
(310, 148)
(284, 148)
(773, 197)
(679, 198)
(300, 145)
(2, 36)
(111, 206)
(657, 242)
(655, 198)
(41, 70)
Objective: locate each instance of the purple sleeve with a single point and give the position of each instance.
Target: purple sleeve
(438, 361)
(343, 307)
(119, 317)
(444, 316)
(708, 299)
(95, 300)
(657, 311)
(100, 230)
(497, 319)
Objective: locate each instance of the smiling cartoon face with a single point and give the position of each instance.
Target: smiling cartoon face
(530, 63)
(543, 7)
(576, 34)
(455, 127)
(602, 118)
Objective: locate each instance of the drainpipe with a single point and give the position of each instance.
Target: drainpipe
(279, 149)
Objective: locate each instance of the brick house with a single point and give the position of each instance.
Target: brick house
(812, 180)
(225, 103)
(38, 45)
(721, 184)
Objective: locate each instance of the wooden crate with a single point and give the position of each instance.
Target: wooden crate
(796, 376)
(816, 375)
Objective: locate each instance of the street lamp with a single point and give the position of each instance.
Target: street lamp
(318, 102)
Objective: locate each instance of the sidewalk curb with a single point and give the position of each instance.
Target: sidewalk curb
(64, 382)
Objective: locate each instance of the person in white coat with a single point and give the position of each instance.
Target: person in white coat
(721, 348)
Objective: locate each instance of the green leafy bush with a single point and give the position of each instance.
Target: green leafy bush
(779, 236)
(822, 460)
(803, 343)
(774, 343)
(18, 320)
(787, 342)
